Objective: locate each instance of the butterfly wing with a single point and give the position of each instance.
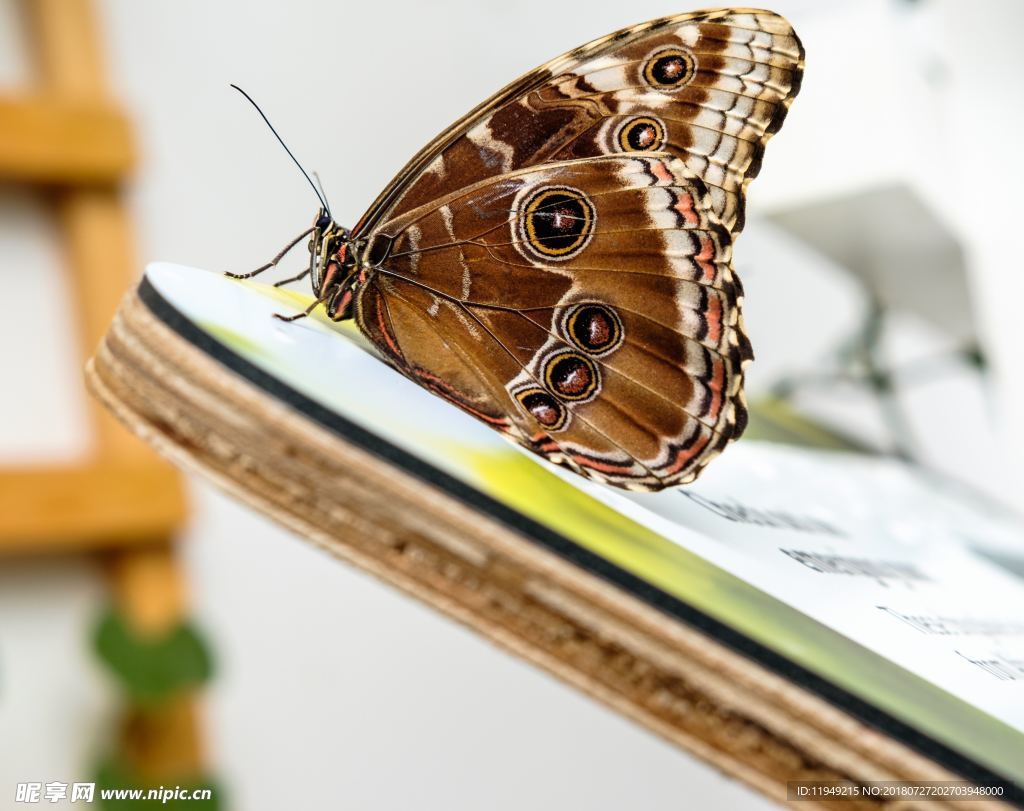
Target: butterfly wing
(587, 308)
(557, 263)
(708, 87)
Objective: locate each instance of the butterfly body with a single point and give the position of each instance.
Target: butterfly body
(558, 262)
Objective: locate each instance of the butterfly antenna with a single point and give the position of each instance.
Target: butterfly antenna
(280, 140)
(323, 194)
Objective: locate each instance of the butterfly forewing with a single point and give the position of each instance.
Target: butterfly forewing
(741, 70)
(558, 263)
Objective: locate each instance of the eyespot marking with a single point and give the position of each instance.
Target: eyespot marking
(594, 328)
(670, 69)
(557, 222)
(550, 414)
(643, 134)
(571, 376)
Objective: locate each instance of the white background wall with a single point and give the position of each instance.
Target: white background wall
(333, 690)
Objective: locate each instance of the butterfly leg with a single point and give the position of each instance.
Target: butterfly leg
(297, 316)
(291, 279)
(273, 262)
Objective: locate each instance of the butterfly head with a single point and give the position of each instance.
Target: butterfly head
(332, 265)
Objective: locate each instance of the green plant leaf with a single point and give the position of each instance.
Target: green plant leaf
(152, 668)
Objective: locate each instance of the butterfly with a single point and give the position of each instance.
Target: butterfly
(558, 262)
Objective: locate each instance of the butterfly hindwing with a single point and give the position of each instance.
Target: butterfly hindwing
(591, 302)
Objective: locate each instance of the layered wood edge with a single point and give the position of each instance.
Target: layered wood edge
(708, 699)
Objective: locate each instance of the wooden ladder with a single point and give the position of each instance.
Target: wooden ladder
(65, 137)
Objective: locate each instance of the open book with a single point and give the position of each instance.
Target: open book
(794, 615)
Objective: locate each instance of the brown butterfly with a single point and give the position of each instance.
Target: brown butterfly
(557, 263)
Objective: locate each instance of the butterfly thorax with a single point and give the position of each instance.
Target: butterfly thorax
(333, 267)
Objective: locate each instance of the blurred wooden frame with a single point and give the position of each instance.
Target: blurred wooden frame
(66, 137)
